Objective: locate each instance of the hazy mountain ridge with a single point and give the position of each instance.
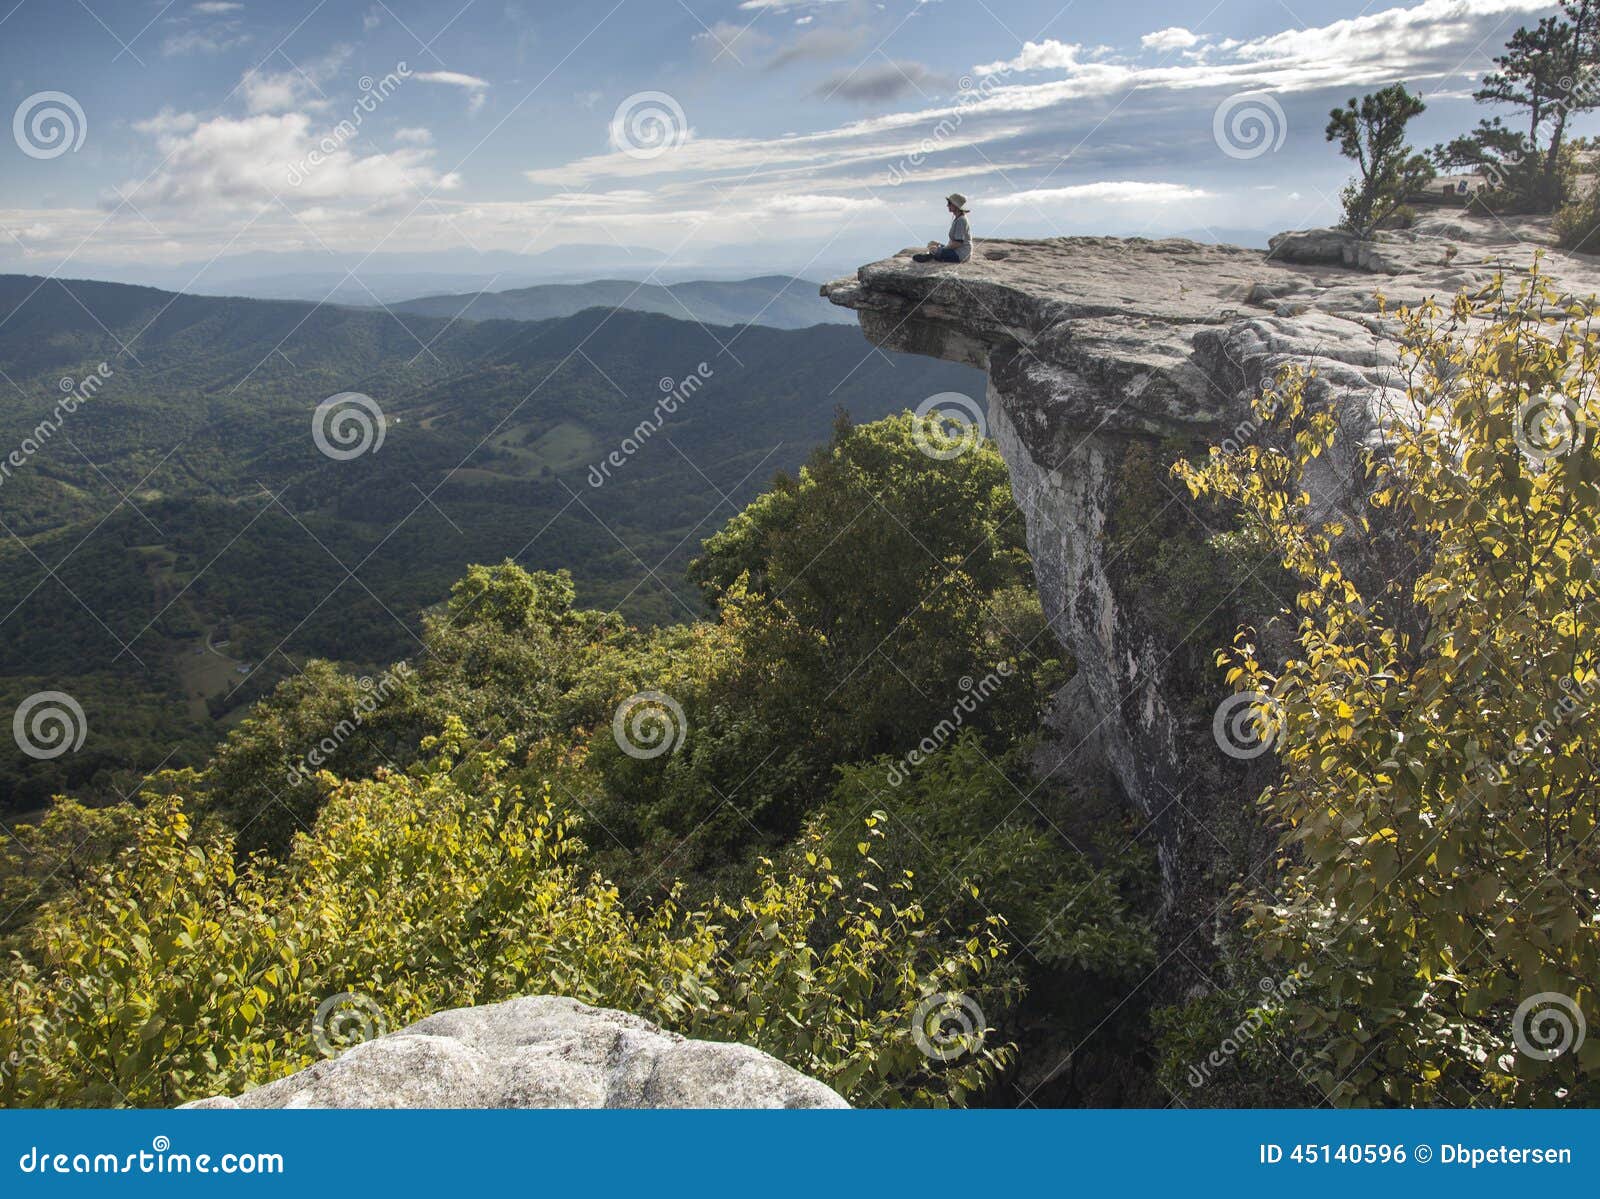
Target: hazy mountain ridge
(779, 301)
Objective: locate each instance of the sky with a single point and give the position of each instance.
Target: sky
(163, 132)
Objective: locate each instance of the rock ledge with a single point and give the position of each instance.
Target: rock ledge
(542, 1051)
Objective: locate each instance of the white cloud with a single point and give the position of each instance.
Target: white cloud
(298, 88)
(414, 135)
(226, 163)
(204, 41)
(803, 205)
(453, 78)
(268, 92)
(1122, 191)
(476, 89)
(1164, 41)
(1357, 50)
(1048, 55)
(167, 122)
(215, 7)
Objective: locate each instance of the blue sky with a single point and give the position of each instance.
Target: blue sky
(221, 127)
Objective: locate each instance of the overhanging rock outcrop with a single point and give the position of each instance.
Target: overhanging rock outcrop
(542, 1051)
(1106, 359)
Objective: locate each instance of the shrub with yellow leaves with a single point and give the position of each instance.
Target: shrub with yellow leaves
(176, 973)
(1437, 732)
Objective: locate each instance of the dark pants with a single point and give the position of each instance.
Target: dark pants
(942, 254)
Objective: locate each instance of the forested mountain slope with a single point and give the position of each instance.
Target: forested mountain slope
(178, 540)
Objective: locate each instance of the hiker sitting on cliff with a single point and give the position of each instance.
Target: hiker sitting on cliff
(959, 248)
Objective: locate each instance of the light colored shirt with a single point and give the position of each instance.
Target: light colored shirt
(961, 237)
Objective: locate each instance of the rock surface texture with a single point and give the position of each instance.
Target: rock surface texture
(540, 1052)
(1106, 359)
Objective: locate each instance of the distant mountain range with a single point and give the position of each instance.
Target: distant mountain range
(174, 539)
(387, 277)
(777, 301)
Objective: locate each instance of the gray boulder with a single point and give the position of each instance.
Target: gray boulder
(542, 1051)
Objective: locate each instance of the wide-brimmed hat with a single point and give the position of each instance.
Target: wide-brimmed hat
(957, 199)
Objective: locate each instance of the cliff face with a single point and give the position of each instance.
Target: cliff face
(1108, 358)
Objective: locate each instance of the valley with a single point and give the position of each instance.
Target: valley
(187, 504)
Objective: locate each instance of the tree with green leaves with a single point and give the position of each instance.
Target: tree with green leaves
(1548, 71)
(1373, 135)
